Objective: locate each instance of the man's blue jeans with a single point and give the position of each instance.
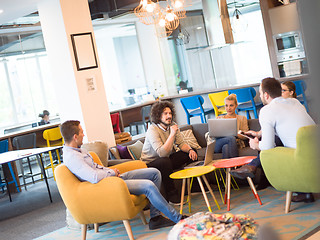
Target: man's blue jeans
(147, 181)
(228, 147)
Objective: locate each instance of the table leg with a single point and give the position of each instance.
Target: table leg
(210, 190)
(182, 194)
(204, 194)
(228, 186)
(189, 194)
(254, 190)
(45, 176)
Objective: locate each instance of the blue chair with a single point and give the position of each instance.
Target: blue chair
(4, 148)
(301, 87)
(245, 97)
(193, 107)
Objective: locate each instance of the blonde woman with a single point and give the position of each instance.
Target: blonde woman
(229, 145)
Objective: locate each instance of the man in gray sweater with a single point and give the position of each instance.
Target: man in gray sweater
(164, 147)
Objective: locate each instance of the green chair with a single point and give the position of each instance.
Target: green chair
(294, 170)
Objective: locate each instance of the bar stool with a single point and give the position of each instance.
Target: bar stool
(235, 162)
(191, 173)
(25, 142)
(193, 107)
(245, 97)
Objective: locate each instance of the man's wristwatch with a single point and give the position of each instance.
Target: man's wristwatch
(190, 150)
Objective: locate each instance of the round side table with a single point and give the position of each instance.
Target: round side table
(235, 162)
(195, 172)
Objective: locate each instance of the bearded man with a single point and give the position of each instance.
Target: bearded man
(164, 147)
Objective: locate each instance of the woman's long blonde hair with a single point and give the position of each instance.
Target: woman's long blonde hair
(232, 97)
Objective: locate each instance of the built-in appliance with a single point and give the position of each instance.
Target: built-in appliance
(289, 46)
(291, 56)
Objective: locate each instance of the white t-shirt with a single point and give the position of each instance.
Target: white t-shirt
(282, 117)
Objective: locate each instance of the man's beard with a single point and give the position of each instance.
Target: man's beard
(167, 124)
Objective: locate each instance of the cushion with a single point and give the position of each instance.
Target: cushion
(190, 139)
(100, 148)
(135, 150)
(114, 152)
(123, 151)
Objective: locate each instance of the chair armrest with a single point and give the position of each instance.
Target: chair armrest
(130, 165)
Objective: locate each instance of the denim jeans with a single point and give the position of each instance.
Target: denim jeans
(228, 147)
(147, 181)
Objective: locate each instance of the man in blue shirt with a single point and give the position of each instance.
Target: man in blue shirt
(145, 181)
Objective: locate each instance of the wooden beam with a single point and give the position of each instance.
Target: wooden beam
(225, 20)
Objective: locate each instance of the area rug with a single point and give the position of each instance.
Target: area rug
(301, 220)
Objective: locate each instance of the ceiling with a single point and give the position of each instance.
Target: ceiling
(21, 21)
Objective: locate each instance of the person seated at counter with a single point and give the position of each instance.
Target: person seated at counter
(45, 117)
(164, 147)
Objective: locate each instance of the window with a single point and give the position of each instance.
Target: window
(121, 64)
(26, 84)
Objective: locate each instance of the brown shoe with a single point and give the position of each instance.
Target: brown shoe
(244, 172)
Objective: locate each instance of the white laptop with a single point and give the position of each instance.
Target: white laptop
(222, 127)
(208, 159)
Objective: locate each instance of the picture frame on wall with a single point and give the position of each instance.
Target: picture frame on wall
(84, 51)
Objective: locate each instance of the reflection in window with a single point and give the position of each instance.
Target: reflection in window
(121, 64)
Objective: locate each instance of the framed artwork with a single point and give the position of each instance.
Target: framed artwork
(84, 52)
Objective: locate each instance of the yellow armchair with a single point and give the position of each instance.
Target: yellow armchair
(106, 201)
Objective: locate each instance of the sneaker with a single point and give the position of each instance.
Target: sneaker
(160, 222)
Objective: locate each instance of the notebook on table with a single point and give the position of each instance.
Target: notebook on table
(208, 159)
(222, 127)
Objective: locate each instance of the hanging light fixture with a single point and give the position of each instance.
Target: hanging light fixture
(238, 22)
(151, 12)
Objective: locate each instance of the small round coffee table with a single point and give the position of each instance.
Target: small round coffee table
(191, 173)
(235, 162)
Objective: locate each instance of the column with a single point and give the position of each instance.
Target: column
(80, 93)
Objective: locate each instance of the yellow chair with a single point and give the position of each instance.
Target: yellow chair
(217, 101)
(53, 138)
(106, 201)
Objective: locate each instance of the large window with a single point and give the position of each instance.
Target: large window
(121, 64)
(26, 84)
(203, 67)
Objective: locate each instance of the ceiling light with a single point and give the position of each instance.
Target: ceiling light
(150, 12)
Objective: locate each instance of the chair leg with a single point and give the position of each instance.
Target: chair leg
(30, 169)
(143, 217)
(84, 231)
(248, 114)
(96, 227)
(288, 201)
(126, 224)
(22, 172)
